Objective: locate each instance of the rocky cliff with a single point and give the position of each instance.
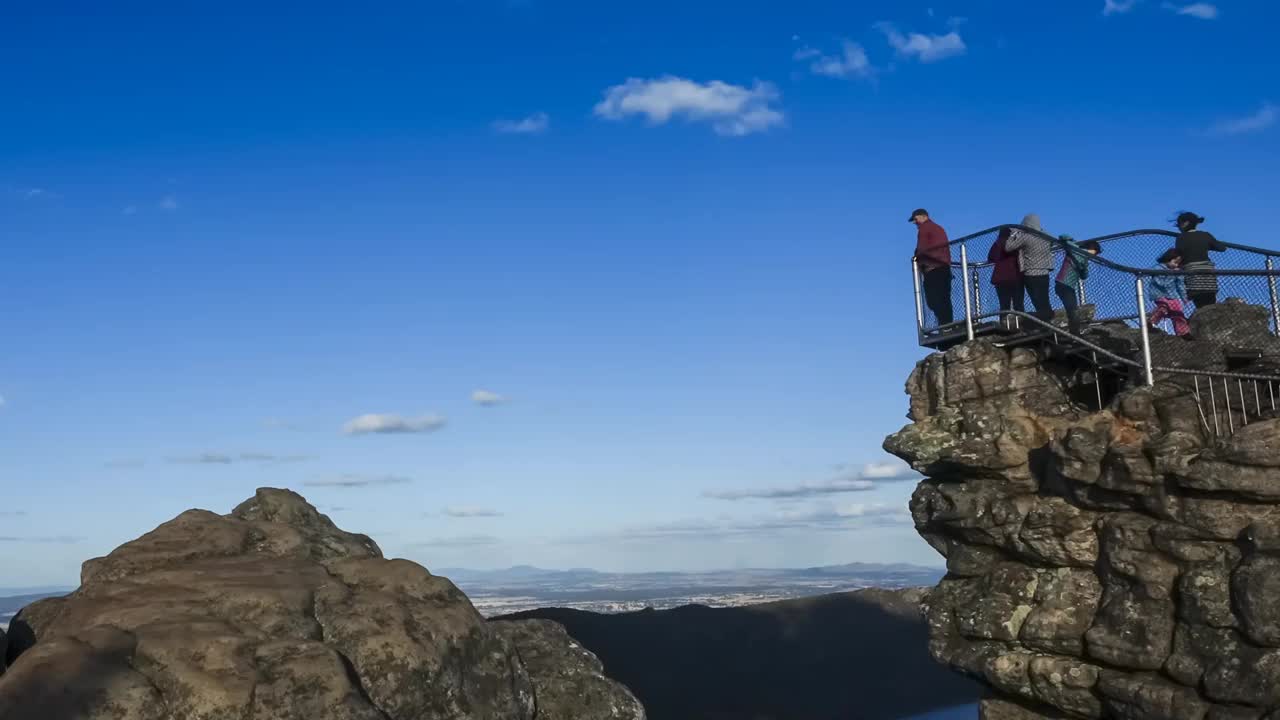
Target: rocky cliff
(1115, 563)
(273, 613)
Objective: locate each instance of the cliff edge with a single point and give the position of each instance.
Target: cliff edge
(1114, 563)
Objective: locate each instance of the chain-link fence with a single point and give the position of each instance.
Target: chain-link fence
(1224, 318)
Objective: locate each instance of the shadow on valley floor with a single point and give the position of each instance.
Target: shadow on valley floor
(851, 656)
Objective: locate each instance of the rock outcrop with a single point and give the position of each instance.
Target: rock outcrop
(274, 613)
(1117, 563)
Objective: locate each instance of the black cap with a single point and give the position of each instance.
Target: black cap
(917, 211)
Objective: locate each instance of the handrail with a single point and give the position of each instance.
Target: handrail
(1145, 271)
(1112, 236)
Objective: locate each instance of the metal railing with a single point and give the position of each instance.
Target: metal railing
(1120, 293)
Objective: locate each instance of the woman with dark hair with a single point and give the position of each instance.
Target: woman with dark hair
(1006, 276)
(1193, 247)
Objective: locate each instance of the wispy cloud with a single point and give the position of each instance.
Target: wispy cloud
(852, 62)
(56, 539)
(534, 124)
(923, 47)
(129, 210)
(847, 517)
(354, 480)
(487, 398)
(1201, 10)
(217, 458)
(1118, 7)
(168, 202)
(462, 541)
(13, 513)
(390, 424)
(732, 110)
(470, 512)
(124, 463)
(862, 480)
(1264, 118)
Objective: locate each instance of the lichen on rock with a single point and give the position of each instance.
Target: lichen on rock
(1120, 562)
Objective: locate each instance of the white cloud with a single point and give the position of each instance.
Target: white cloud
(1202, 10)
(129, 210)
(862, 480)
(535, 124)
(925, 48)
(217, 458)
(829, 518)
(35, 192)
(487, 398)
(462, 541)
(851, 62)
(352, 480)
(1264, 118)
(392, 424)
(470, 512)
(732, 110)
(1117, 7)
(168, 202)
(124, 464)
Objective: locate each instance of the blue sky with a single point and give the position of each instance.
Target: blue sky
(242, 246)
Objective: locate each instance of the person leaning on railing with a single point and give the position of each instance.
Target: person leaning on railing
(1005, 275)
(1075, 268)
(1193, 247)
(1035, 259)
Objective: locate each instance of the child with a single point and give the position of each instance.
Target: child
(1170, 294)
(1075, 268)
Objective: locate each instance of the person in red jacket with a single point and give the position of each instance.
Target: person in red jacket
(1006, 275)
(933, 256)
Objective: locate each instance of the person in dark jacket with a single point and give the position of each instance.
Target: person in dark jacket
(1193, 247)
(1006, 276)
(1075, 268)
(933, 256)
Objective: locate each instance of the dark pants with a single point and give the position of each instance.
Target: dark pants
(1038, 289)
(937, 293)
(1071, 304)
(1202, 299)
(1012, 295)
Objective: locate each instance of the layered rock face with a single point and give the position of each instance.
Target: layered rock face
(273, 613)
(1115, 563)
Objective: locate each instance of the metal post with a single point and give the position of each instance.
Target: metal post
(977, 294)
(1226, 405)
(1146, 337)
(1275, 304)
(915, 279)
(968, 306)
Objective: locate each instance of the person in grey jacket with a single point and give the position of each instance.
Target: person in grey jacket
(1035, 259)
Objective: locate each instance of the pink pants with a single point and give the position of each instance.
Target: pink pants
(1171, 309)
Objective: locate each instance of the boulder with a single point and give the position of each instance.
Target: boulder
(273, 612)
